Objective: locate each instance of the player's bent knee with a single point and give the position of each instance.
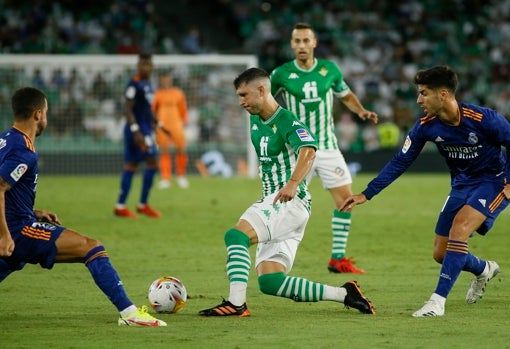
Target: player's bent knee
(271, 283)
(236, 237)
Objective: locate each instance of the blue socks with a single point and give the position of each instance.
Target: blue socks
(106, 277)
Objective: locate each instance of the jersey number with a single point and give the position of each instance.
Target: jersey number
(264, 140)
(310, 90)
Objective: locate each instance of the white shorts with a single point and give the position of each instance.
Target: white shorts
(331, 168)
(279, 229)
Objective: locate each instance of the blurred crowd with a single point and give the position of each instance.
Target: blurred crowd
(379, 45)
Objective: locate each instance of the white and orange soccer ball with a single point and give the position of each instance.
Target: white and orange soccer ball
(167, 295)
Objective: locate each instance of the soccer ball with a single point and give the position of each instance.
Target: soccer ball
(167, 295)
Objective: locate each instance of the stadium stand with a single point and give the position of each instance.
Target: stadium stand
(378, 44)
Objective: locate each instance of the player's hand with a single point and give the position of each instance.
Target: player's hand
(352, 201)
(139, 140)
(370, 115)
(287, 193)
(47, 216)
(6, 245)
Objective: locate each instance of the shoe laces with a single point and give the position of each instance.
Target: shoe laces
(143, 310)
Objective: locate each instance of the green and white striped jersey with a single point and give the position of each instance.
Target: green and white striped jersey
(277, 142)
(309, 94)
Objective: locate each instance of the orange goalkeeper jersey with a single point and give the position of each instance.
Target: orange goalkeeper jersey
(171, 111)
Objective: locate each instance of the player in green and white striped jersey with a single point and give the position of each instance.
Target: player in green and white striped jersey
(308, 86)
(276, 223)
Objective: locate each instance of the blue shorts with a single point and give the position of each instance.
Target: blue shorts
(133, 153)
(487, 198)
(34, 244)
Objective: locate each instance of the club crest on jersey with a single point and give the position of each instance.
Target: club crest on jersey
(304, 135)
(472, 138)
(323, 71)
(407, 145)
(19, 171)
(274, 128)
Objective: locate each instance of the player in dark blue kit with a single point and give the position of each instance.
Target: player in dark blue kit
(470, 138)
(139, 141)
(36, 236)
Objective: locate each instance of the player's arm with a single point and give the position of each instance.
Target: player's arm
(131, 121)
(6, 242)
(391, 171)
(351, 101)
(304, 163)
(183, 109)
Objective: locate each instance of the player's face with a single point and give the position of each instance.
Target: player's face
(165, 81)
(42, 121)
(250, 97)
(145, 68)
(429, 100)
(303, 42)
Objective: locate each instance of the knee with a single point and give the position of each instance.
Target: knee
(92, 243)
(271, 283)
(236, 237)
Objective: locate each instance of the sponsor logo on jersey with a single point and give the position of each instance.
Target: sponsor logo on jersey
(254, 128)
(438, 139)
(47, 226)
(293, 76)
(19, 171)
(483, 202)
(407, 145)
(294, 123)
(3, 143)
(304, 135)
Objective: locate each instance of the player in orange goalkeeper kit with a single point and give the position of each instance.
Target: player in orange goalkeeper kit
(170, 107)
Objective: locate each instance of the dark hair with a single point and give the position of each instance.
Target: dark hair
(144, 56)
(436, 77)
(249, 75)
(303, 25)
(25, 101)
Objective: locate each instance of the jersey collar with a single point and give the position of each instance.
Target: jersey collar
(315, 62)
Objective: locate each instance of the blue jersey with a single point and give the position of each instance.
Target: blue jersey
(18, 167)
(472, 149)
(142, 93)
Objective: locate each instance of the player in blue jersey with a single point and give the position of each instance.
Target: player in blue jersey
(139, 141)
(276, 223)
(470, 138)
(36, 236)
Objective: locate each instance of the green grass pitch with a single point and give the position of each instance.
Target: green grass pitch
(391, 237)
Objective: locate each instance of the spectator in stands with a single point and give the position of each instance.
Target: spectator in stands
(192, 42)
